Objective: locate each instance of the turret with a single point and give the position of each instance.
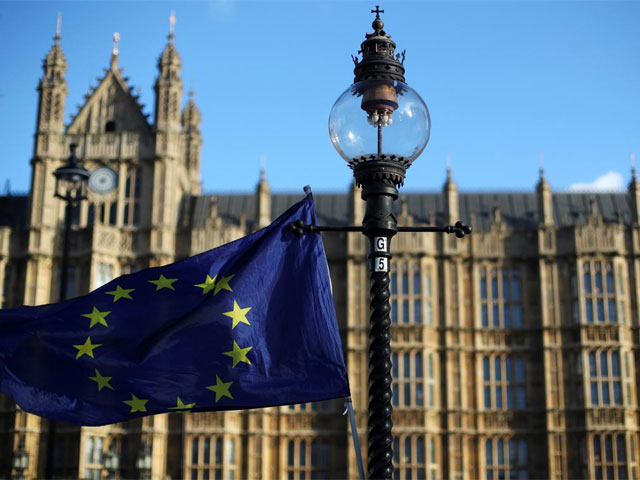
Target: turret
(451, 203)
(263, 197)
(52, 89)
(634, 193)
(544, 200)
(193, 142)
(168, 87)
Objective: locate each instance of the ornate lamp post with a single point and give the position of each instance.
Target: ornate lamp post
(380, 125)
(71, 186)
(20, 460)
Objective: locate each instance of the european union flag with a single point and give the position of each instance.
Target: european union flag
(246, 325)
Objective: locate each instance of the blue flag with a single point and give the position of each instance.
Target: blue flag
(246, 325)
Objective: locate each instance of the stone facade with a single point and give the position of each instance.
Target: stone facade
(514, 349)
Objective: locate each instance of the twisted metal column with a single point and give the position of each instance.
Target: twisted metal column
(379, 426)
(379, 180)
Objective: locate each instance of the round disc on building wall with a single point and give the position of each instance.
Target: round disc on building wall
(103, 180)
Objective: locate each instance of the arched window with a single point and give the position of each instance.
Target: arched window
(110, 126)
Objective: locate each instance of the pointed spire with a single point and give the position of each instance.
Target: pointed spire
(450, 192)
(263, 194)
(115, 51)
(168, 87)
(541, 159)
(594, 211)
(52, 88)
(634, 191)
(191, 117)
(55, 63)
(545, 199)
(170, 56)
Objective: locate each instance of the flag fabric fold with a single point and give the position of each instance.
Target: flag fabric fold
(249, 324)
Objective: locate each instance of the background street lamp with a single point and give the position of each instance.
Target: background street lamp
(20, 459)
(71, 186)
(380, 125)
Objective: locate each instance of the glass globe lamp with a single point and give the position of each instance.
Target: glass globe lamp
(379, 120)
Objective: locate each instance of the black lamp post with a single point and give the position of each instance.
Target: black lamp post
(379, 104)
(20, 460)
(71, 186)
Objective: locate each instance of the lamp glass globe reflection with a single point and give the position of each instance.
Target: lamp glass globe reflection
(379, 111)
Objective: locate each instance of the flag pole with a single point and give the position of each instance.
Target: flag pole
(354, 434)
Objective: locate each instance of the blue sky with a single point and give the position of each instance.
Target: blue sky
(504, 82)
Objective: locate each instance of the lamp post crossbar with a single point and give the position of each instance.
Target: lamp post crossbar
(300, 228)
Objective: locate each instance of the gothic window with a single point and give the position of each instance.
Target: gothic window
(503, 380)
(605, 387)
(598, 287)
(412, 459)
(506, 458)
(411, 301)
(93, 457)
(110, 126)
(107, 213)
(132, 191)
(308, 459)
(501, 298)
(609, 457)
(211, 456)
(408, 379)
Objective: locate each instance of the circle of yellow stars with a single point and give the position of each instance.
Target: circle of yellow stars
(211, 284)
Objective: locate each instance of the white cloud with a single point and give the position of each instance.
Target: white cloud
(609, 182)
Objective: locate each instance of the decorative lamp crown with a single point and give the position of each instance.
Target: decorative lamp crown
(379, 118)
(378, 60)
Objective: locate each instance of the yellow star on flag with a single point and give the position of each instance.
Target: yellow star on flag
(208, 285)
(86, 348)
(238, 354)
(120, 292)
(101, 381)
(136, 404)
(180, 405)
(97, 317)
(221, 388)
(223, 284)
(163, 282)
(238, 314)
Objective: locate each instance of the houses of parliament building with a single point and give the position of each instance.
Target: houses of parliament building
(514, 349)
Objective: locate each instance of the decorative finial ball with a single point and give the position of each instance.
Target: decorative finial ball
(377, 24)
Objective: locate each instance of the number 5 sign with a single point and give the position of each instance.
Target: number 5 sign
(381, 264)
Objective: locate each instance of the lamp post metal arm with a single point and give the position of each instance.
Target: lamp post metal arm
(300, 228)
